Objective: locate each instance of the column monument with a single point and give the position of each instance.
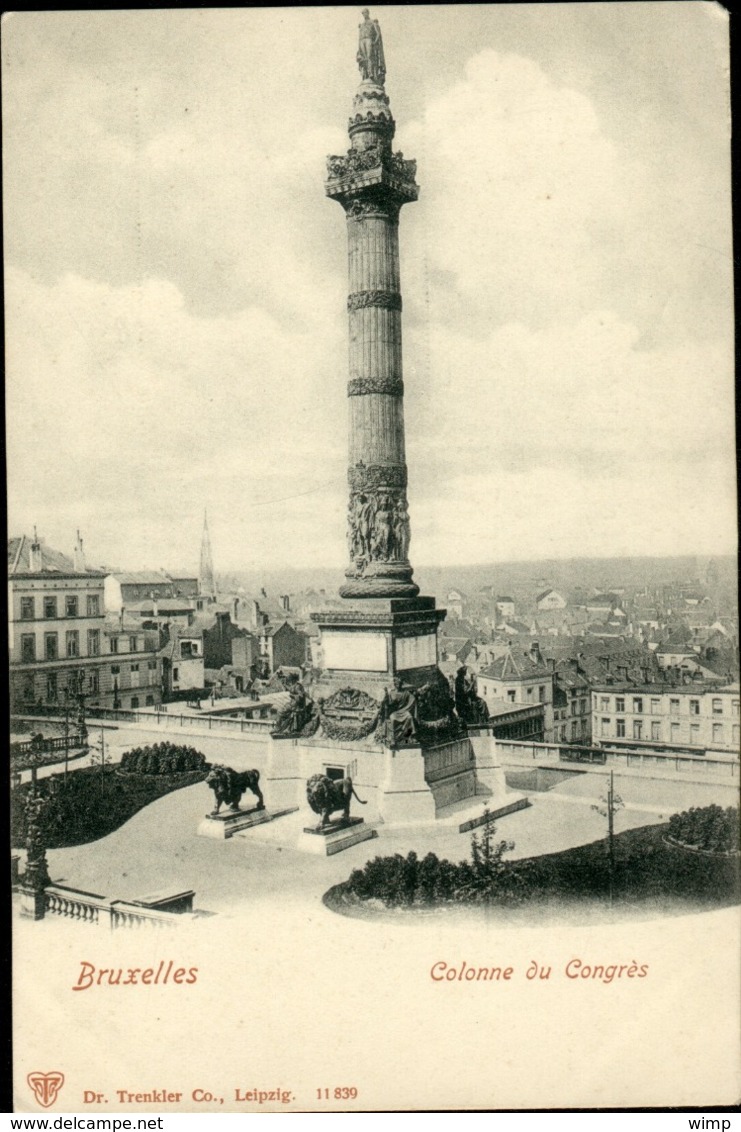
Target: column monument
(380, 713)
(387, 629)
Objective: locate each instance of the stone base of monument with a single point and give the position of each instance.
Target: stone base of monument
(33, 903)
(335, 837)
(224, 826)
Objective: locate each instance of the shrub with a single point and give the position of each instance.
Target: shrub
(406, 881)
(708, 827)
(163, 758)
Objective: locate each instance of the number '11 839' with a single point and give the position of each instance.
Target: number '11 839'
(341, 1093)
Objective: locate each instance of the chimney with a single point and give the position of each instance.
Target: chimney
(552, 663)
(79, 556)
(286, 603)
(236, 609)
(34, 555)
(121, 617)
(255, 614)
(535, 654)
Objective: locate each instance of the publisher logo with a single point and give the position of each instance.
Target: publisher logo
(46, 1086)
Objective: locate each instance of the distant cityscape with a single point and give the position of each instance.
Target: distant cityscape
(625, 653)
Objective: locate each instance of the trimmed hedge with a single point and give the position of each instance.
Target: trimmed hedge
(709, 828)
(162, 758)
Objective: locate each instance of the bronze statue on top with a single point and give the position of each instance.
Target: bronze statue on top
(370, 50)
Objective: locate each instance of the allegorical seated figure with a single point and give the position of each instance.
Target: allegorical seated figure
(300, 715)
(229, 785)
(398, 718)
(471, 708)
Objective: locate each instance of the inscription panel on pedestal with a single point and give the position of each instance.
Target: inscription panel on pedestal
(364, 652)
(416, 652)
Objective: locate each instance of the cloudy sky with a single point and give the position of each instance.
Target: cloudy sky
(176, 280)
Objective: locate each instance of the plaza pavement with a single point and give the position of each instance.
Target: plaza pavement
(158, 849)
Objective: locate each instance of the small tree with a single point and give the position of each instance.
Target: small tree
(611, 803)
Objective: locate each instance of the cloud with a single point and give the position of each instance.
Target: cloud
(176, 325)
(120, 399)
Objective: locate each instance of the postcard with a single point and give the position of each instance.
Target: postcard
(372, 559)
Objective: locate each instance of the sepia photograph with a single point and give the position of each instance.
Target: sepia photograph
(372, 559)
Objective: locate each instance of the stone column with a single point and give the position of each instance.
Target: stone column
(372, 183)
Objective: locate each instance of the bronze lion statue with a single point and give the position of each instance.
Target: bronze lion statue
(229, 785)
(325, 795)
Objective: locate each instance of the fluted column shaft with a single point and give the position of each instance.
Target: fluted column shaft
(371, 183)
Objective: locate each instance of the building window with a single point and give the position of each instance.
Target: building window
(51, 687)
(50, 608)
(70, 605)
(736, 733)
(511, 695)
(674, 706)
(620, 728)
(135, 701)
(28, 611)
(29, 689)
(605, 726)
(115, 669)
(619, 703)
(93, 682)
(694, 733)
(584, 707)
(655, 706)
(717, 732)
(563, 733)
(573, 730)
(93, 642)
(694, 707)
(530, 692)
(541, 693)
(114, 644)
(73, 642)
(152, 665)
(175, 673)
(638, 705)
(604, 702)
(637, 729)
(93, 605)
(674, 732)
(133, 641)
(28, 648)
(51, 646)
(717, 707)
(734, 707)
(655, 729)
(149, 702)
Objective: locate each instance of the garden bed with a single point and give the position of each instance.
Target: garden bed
(93, 804)
(649, 874)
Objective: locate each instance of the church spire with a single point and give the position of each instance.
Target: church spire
(206, 584)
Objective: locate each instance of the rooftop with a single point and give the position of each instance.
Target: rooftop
(52, 561)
